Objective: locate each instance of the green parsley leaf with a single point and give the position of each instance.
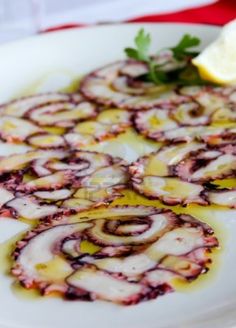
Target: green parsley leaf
(131, 53)
(181, 50)
(155, 75)
(142, 42)
(155, 72)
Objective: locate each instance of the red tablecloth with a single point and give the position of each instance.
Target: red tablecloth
(218, 13)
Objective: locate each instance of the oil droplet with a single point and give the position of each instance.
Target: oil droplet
(226, 183)
(88, 247)
(57, 269)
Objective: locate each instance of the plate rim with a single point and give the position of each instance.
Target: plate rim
(49, 34)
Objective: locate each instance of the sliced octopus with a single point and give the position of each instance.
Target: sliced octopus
(134, 255)
(208, 164)
(16, 162)
(212, 105)
(99, 188)
(50, 109)
(46, 140)
(208, 116)
(118, 85)
(179, 174)
(28, 207)
(108, 123)
(161, 125)
(225, 197)
(59, 120)
(222, 192)
(5, 195)
(40, 184)
(27, 119)
(14, 129)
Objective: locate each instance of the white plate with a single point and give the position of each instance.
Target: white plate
(50, 62)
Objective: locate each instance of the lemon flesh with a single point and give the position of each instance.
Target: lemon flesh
(217, 62)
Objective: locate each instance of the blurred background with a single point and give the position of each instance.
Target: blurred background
(20, 18)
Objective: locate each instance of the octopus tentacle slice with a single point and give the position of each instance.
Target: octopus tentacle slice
(46, 141)
(163, 161)
(50, 182)
(99, 233)
(117, 85)
(20, 106)
(51, 109)
(26, 264)
(63, 115)
(130, 266)
(30, 208)
(9, 148)
(56, 195)
(95, 160)
(178, 243)
(18, 161)
(10, 181)
(79, 204)
(154, 123)
(208, 164)
(161, 125)
(104, 286)
(192, 114)
(226, 91)
(39, 167)
(164, 247)
(152, 175)
(5, 195)
(106, 177)
(99, 188)
(46, 162)
(208, 134)
(160, 278)
(170, 191)
(14, 129)
(219, 103)
(176, 174)
(69, 164)
(81, 163)
(224, 115)
(107, 124)
(78, 180)
(223, 197)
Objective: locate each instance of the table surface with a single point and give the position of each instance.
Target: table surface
(42, 14)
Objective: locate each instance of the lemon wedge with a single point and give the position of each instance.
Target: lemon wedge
(217, 62)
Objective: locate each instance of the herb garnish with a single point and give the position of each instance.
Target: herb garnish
(180, 51)
(186, 75)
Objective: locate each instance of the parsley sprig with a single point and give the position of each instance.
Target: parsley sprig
(141, 52)
(143, 43)
(181, 52)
